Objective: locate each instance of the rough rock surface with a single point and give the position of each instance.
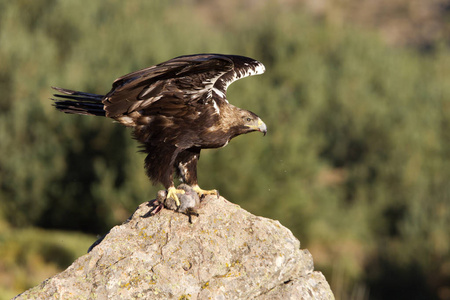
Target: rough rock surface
(225, 253)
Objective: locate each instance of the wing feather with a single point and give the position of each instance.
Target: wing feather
(243, 67)
(187, 79)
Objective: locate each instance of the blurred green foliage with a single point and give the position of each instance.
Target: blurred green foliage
(30, 255)
(356, 161)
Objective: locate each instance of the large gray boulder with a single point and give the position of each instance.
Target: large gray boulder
(225, 253)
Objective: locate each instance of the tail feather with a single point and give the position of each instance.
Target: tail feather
(81, 103)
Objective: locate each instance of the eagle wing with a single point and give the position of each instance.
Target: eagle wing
(242, 67)
(186, 80)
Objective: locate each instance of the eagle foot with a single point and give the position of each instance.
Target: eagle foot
(201, 193)
(172, 193)
(188, 200)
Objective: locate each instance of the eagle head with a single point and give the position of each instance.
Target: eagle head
(251, 122)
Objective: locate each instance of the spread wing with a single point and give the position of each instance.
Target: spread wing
(185, 80)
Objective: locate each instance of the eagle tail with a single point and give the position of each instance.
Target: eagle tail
(73, 102)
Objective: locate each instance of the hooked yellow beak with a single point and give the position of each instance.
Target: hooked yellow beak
(262, 126)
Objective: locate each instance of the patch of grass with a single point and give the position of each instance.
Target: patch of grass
(29, 256)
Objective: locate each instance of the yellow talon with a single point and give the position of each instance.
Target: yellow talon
(201, 192)
(172, 193)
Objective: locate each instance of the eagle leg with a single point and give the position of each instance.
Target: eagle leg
(202, 192)
(172, 193)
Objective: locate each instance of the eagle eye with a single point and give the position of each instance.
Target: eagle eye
(248, 119)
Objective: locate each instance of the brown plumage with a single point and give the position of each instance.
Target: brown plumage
(176, 108)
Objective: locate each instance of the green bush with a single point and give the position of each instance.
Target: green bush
(28, 256)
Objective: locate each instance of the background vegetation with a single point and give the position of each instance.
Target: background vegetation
(356, 162)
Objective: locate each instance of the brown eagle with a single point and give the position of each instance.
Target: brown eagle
(176, 108)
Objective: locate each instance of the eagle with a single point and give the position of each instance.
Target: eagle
(176, 109)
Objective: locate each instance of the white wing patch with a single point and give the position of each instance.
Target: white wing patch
(126, 120)
(216, 107)
(249, 70)
(218, 92)
(142, 103)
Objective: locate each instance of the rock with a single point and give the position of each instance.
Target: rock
(224, 253)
